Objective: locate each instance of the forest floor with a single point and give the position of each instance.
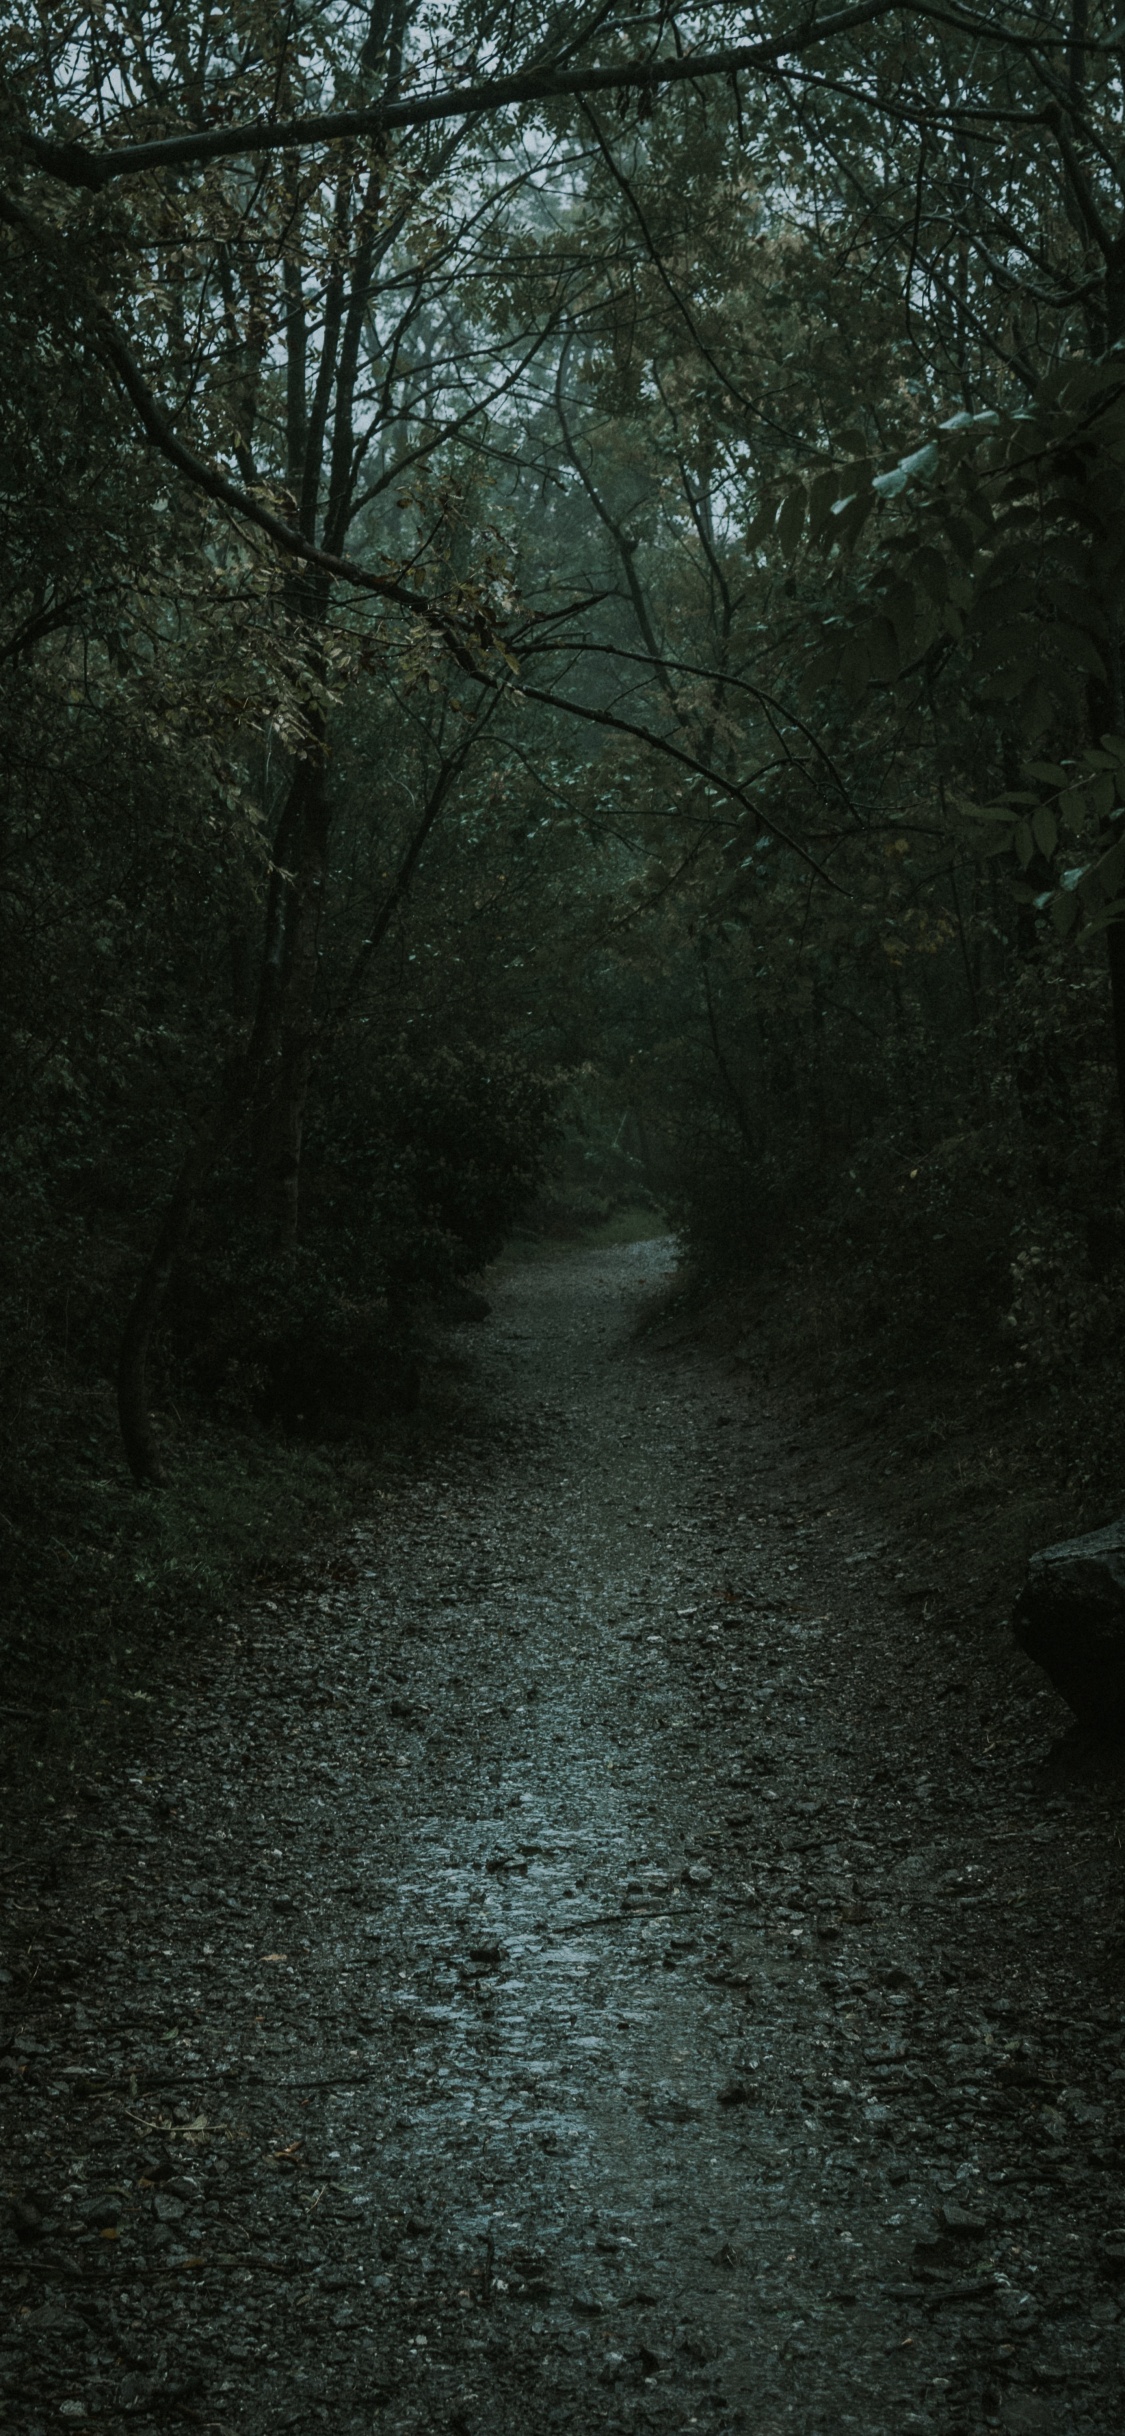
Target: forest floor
(619, 1942)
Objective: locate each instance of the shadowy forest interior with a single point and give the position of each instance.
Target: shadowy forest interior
(561, 714)
(576, 643)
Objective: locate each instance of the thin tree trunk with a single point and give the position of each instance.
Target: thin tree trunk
(141, 1446)
(296, 1008)
(742, 1115)
(1115, 942)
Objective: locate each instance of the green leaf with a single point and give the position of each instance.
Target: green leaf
(1074, 810)
(923, 462)
(1111, 869)
(960, 532)
(969, 422)
(973, 811)
(902, 607)
(1024, 843)
(1108, 914)
(929, 569)
(819, 674)
(1064, 913)
(848, 518)
(761, 524)
(790, 523)
(1004, 686)
(1089, 383)
(1044, 829)
(854, 667)
(882, 651)
(822, 498)
(1076, 646)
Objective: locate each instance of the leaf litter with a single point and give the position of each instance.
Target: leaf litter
(821, 2129)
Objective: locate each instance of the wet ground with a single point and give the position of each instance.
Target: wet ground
(594, 1954)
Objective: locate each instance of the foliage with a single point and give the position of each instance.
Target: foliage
(584, 632)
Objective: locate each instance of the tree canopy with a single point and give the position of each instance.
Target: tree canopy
(563, 583)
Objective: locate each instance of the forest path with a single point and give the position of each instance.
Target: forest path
(569, 1969)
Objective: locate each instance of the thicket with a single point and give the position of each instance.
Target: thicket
(553, 630)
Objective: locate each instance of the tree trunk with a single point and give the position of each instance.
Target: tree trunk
(141, 1446)
(741, 1112)
(1115, 942)
(280, 1051)
(295, 1009)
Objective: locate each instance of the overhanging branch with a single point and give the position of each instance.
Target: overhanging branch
(80, 165)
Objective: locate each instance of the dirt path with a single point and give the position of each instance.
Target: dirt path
(596, 1960)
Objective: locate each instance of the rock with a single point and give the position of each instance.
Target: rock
(1019, 2311)
(956, 2219)
(1070, 1617)
(664, 2107)
(1030, 2415)
(135, 2393)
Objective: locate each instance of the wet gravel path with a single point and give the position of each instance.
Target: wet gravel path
(591, 1957)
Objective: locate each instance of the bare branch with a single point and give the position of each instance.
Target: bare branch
(217, 485)
(688, 761)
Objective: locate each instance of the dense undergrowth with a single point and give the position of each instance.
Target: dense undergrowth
(682, 744)
(947, 1288)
